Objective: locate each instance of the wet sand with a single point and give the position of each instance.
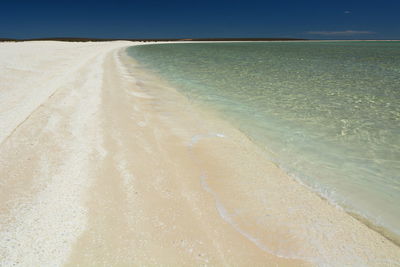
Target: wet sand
(101, 163)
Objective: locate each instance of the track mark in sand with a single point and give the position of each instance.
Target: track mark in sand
(48, 88)
(44, 230)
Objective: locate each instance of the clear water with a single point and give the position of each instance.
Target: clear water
(326, 112)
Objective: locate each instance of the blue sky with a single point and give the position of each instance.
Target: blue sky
(322, 19)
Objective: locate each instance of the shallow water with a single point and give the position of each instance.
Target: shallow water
(326, 112)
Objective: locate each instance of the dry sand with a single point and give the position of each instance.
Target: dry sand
(102, 164)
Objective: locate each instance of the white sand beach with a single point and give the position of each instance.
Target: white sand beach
(102, 164)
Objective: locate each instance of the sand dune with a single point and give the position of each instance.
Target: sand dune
(103, 164)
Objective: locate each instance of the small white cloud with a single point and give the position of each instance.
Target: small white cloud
(347, 12)
(348, 32)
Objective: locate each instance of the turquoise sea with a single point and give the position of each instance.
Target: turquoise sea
(328, 113)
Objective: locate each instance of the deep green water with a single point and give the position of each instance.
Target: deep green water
(326, 112)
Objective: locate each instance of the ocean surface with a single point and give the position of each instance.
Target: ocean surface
(328, 113)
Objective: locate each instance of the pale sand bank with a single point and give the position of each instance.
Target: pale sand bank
(101, 164)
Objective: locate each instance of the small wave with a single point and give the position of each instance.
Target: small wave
(198, 137)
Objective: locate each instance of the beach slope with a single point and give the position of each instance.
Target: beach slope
(102, 163)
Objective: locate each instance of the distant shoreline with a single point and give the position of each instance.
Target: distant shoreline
(74, 39)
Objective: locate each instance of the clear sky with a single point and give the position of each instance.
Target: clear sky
(322, 19)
